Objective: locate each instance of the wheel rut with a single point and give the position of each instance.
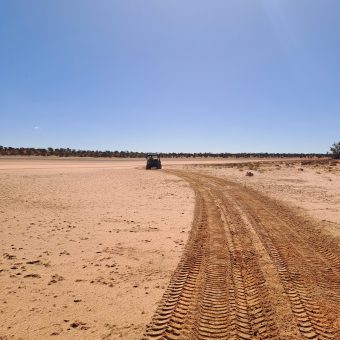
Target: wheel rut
(220, 289)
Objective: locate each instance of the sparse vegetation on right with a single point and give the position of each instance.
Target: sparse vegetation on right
(335, 149)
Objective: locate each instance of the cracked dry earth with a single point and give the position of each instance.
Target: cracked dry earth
(252, 269)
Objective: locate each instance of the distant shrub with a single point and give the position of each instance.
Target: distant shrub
(335, 149)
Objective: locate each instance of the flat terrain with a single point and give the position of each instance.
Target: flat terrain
(88, 248)
(252, 268)
(310, 186)
(86, 252)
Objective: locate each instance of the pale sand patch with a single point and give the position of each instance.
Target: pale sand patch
(84, 252)
(17, 163)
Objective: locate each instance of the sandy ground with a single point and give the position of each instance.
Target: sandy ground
(87, 247)
(16, 162)
(312, 186)
(253, 268)
(86, 252)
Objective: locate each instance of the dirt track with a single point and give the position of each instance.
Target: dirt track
(252, 268)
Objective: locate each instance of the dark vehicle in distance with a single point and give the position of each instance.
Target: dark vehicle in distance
(153, 161)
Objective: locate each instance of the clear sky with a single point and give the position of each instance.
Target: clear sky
(170, 75)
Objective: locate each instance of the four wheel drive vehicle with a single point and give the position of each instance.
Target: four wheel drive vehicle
(153, 161)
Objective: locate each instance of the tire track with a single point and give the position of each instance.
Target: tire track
(219, 289)
(196, 301)
(170, 317)
(310, 277)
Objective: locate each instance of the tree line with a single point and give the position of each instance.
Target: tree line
(67, 152)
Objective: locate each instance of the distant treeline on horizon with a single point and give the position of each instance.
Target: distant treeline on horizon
(61, 152)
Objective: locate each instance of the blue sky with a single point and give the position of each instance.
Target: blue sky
(219, 76)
